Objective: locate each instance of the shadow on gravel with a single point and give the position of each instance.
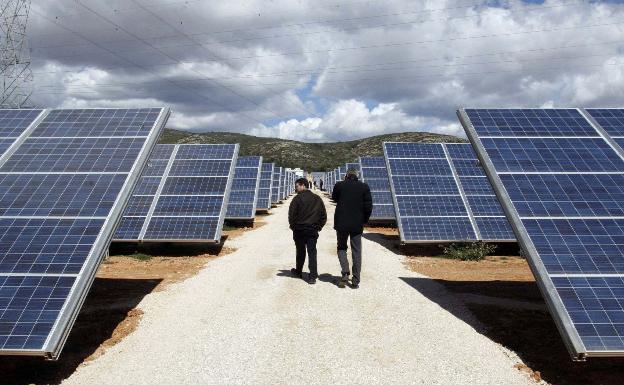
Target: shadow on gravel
(106, 306)
(393, 243)
(325, 277)
(531, 333)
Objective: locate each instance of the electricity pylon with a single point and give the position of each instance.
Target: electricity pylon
(16, 82)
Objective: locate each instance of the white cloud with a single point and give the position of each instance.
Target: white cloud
(352, 119)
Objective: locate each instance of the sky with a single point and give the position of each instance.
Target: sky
(325, 70)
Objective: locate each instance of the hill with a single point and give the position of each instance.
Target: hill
(309, 156)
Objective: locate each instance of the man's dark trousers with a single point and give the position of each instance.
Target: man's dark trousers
(305, 239)
(356, 253)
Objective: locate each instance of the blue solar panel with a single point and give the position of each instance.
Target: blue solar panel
(265, 188)
(552, 154)
(433, 188)
(73, 172)
(98, 122)
(437, 229)
(610, 119)
(75, 155)
(181, 183)
(13, 122)
(244, 192)
(187, 228)
(529, 122)
(374, 173)
(567, 203)
(277, 185)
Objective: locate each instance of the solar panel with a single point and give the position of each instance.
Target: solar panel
(265, 187)
(63, 182)
(284, 183)
(182, 195)
(352, 166)
(244, 191)
(559, 174)
(277, 185)
(373, 172)
(439, 196)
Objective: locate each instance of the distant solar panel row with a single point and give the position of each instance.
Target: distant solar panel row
(65, 176)
(374, 173)
(276, 192)
(182, 195)
(265, 187)
(560, 174)
(440, 196)
(244, 192)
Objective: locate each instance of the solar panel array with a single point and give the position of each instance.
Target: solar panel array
(562, 181)
(441, 194)
(276, 193)
(182, 195)
(373, 172)
(64, 176)
(265, 187)
(352, 166)
(244, 191)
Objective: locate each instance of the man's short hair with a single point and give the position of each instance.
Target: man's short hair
(352, 174)
(303, 182)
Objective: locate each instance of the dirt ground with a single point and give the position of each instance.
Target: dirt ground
(110, 311)
(502, 294)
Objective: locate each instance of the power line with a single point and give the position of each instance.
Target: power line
(192, 40)
(387, 45)
(171, 57)
(507, 61)
(312, 71)
(141, 67)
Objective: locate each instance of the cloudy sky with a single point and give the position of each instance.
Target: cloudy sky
(325, 70)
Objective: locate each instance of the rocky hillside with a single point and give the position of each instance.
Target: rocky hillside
(309, 156)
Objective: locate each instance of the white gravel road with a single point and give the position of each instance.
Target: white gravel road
(241, 320)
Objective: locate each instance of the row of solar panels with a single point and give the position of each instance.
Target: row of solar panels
(551, 178)
(186, 192)
(438, 192)
(66, 177)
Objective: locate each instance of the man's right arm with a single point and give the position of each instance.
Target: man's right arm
(292, 212)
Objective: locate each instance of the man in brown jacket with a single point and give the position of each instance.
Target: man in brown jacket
(306, 217)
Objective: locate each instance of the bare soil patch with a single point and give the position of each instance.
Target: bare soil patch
(501, 293)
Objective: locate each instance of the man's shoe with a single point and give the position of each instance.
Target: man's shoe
(296, 274)
(355, 285)
(311, 281)
(343, 281)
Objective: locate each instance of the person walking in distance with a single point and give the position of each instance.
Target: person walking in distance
(354, 206)
(306, 217)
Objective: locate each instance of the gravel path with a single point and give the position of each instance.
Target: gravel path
(243, 321)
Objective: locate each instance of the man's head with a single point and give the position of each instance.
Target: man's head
(352, 175)
(301, 185)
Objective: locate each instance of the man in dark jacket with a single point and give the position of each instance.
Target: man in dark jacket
(354, 206)
(306, 217)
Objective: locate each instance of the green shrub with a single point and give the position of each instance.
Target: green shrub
(140, 256)
(469, 251)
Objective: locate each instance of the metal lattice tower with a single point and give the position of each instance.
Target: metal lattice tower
(14, 54)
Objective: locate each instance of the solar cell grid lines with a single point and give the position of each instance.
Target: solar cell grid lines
(374, 173)
(277, 185)
(434, 187)
(59, 211)
(183, 194)
(244, 192)
(265, 187)
(567, 212)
